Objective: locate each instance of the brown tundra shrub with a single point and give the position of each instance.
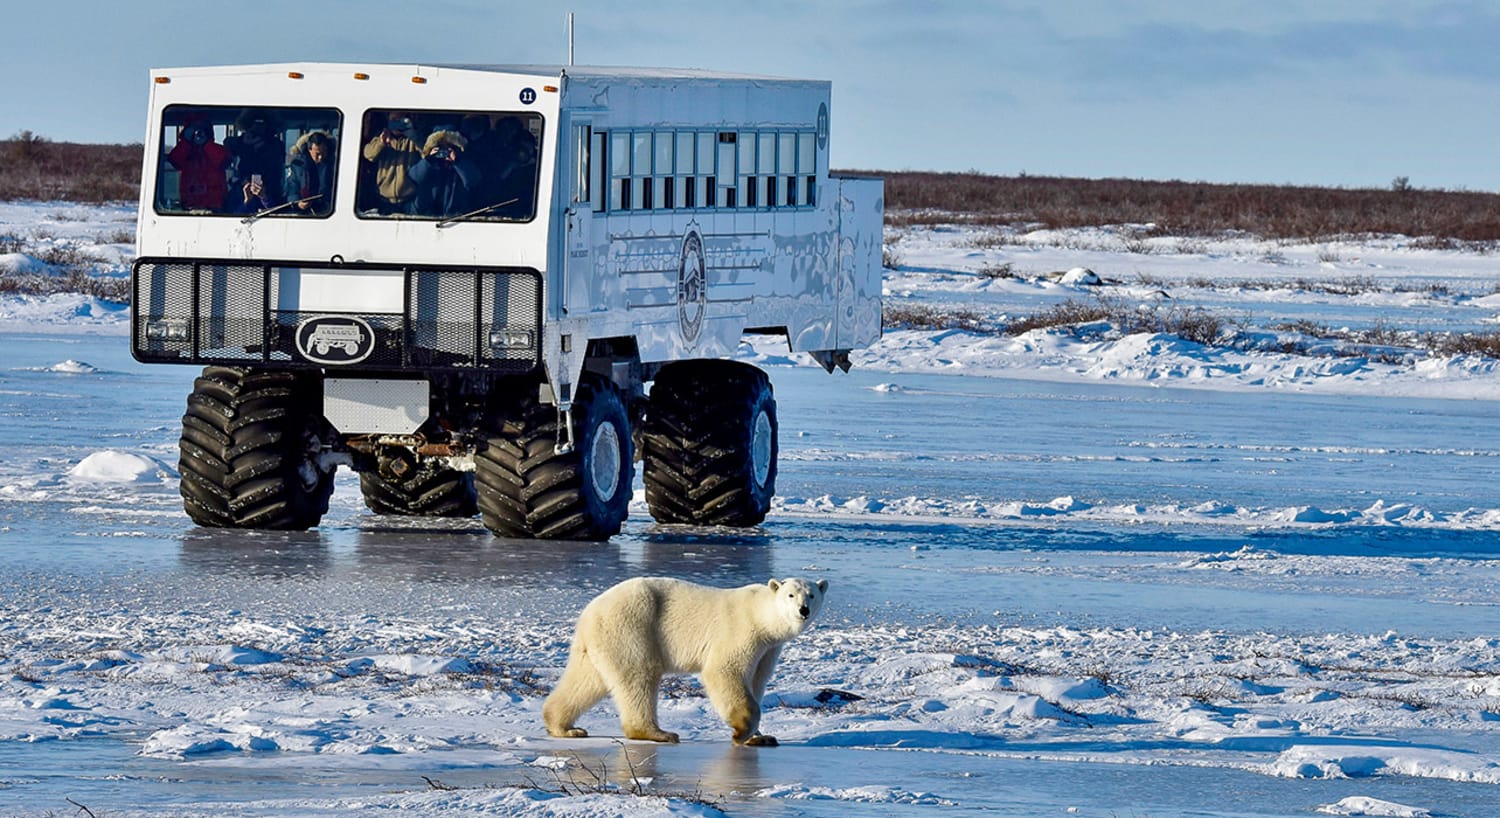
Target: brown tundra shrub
(1191, 208)
(34, 167)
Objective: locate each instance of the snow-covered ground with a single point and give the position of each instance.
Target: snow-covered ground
(1071, 573)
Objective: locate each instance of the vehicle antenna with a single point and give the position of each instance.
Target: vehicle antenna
(570, 38)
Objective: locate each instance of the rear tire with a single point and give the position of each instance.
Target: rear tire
(528, 490)
(425, 490)
(710, 444)
(248, 451)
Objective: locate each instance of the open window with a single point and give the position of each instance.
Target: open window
(257, 160)
(448, 165)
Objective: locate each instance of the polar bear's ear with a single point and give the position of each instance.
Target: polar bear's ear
(774, 584)
(822, 586)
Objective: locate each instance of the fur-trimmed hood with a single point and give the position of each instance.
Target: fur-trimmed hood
(450, 138)
(300, 148)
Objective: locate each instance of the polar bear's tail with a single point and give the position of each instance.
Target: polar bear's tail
(580, 688)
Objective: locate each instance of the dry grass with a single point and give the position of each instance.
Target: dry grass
(74, 280)
(34, 167)
(1337, 285)
(1189, 323)
(928, 316)
(1442, 218)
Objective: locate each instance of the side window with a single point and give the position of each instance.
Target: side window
(724, 193)
(640, 171)
(583, 143)
(746, 187)
(246, 161)
(786, 167)
(619, 170)
(662, 192)
(765, 167)
(682, 171)
(598, 170)
(455, 165)
(704, 169)
(807, 168)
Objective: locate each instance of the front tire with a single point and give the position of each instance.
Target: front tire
(710, 444)
(528, 490)
(248, 451)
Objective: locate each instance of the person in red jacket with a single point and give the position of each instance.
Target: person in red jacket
(202, 162)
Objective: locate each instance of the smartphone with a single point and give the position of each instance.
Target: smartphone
(255, 179)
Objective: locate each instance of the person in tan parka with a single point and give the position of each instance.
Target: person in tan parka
(393, 151)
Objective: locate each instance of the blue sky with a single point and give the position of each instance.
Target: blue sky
(1332, 92)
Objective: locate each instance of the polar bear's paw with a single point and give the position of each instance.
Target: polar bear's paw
(759, 740)
(652, 734)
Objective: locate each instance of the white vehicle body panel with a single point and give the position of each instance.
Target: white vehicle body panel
(680, 282)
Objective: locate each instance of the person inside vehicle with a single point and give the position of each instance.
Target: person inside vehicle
(486, 150)
(202, 163)
(255, 196)
(309, 175)
(445, 178)
(517, 184)
(258, 155)
(393, 151)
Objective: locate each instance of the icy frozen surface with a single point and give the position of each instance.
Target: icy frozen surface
(1067, 577)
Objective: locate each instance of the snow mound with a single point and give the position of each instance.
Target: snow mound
(419, 665)
(112, 466)
(21, 264)
(1304, 761)
(72, 367)
(1361, 805)
(1080, 276)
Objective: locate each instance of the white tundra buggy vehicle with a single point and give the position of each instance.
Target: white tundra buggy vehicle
(458, 281)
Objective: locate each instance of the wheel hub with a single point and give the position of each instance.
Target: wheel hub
(760, 448)
(604, 461)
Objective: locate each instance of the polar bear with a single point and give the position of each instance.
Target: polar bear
(642, 628)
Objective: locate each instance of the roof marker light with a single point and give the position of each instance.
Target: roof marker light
(296, 75)
(161, 80)
(360, 75)
(551, 89)
(419, 80)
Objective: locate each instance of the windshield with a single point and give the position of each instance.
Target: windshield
(271, 161)
(448, 165)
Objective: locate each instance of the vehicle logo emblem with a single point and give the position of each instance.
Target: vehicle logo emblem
(335, 340)
(692, 287)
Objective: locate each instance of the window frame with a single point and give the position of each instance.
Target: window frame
(186, 112)
(453, 116)
(654, 168)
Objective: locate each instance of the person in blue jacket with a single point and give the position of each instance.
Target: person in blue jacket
(259, 154)
(446, 179)
(309, 175)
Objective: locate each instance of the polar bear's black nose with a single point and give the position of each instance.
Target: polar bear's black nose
(804, 611)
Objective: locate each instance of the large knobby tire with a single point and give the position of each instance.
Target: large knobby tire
(248, 452)
(709, 448)
(528, 490)
(419, 490)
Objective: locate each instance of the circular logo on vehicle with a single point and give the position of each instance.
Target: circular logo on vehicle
(822, 125)
(528, 96)
(692, 287)
(335, 339)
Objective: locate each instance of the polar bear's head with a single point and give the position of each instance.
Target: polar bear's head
(797, 600)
